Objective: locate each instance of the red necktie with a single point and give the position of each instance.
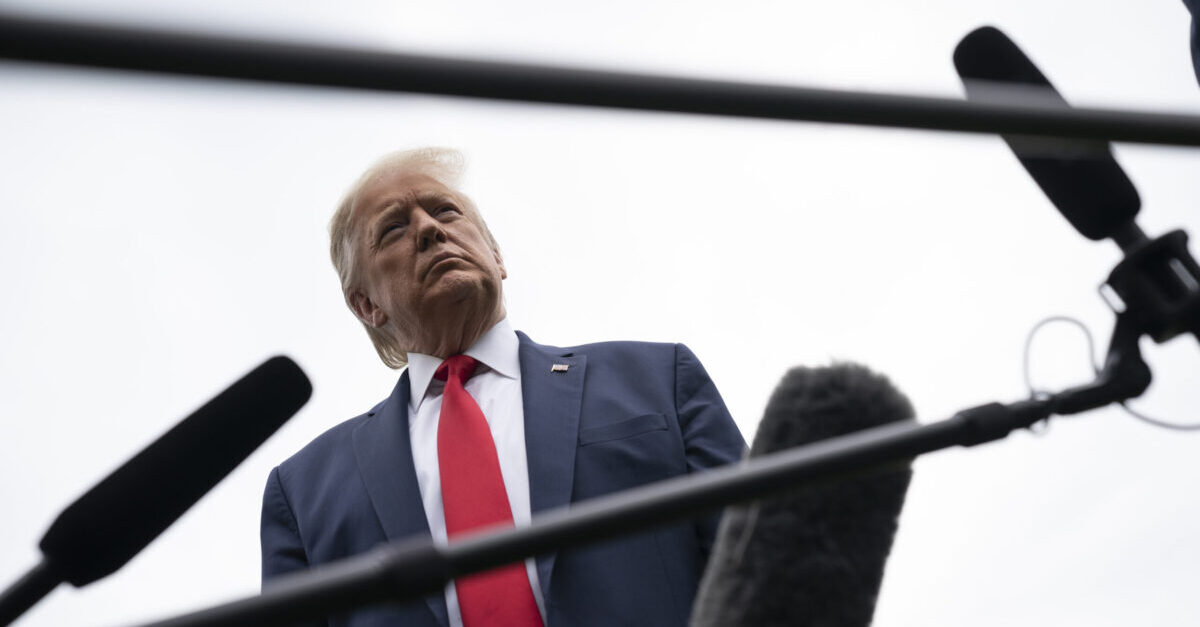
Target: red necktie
(473, 496)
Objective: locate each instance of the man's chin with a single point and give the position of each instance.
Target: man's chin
(458, 288)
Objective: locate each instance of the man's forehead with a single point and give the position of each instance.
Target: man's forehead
(389, 188)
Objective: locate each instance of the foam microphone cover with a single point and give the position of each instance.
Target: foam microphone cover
(1081, 177)
(112, 522)
(813, 557)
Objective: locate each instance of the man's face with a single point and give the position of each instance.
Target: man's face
(425, 261)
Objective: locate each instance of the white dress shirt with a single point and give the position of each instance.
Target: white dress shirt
(496, 387)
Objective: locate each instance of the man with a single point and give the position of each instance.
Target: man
(487, 427)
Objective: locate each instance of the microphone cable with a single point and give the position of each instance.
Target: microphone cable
(1035, 394)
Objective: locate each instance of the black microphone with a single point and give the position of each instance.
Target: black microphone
(1158, 281)
(1081, 178)
(118, 517)
(814, 557)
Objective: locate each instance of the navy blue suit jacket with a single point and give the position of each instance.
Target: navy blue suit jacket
(622, 415)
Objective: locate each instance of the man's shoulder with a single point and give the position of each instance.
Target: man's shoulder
(635, 363)
(331, 448)
(613, 347)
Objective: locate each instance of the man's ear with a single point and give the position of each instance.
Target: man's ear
(366, 310)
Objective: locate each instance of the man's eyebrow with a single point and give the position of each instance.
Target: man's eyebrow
(389, 209)
(393, 202)
(390, 205)
(429, 197)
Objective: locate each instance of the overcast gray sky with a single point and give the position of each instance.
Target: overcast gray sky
(161, 236)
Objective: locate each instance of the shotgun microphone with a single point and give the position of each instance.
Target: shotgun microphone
(816, 556)
(1081, 178)
(118, 517)
(1158, 281)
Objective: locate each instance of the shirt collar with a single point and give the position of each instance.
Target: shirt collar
(498, 350)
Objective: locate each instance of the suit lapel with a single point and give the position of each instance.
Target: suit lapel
(552, 399)
(384, 453)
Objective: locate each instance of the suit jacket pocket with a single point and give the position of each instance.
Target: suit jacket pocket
(624, 429)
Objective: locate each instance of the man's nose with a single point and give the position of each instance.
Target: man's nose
(428, 230)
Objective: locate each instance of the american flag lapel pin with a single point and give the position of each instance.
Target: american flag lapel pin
(559, 367)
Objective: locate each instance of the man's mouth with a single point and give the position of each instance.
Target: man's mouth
(439, 259)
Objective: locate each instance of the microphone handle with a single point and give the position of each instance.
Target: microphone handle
(26, 591)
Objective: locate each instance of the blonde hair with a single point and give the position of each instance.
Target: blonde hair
(441, 164)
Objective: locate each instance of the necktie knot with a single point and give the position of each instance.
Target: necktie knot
(459, 367)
